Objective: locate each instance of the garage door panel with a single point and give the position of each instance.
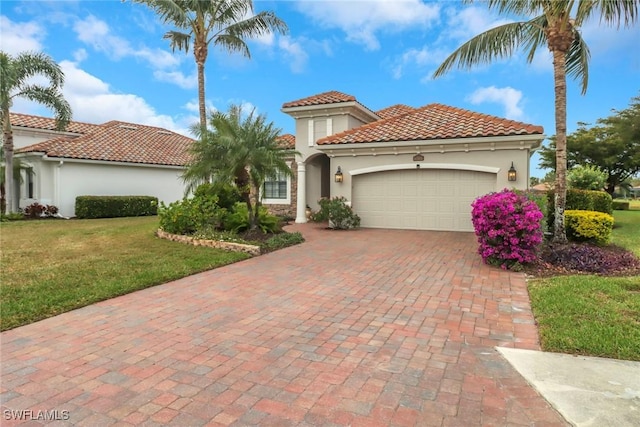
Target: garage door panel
(424, 199)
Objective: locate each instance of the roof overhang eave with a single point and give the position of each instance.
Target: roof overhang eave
(108, 162)
(521, 142)
(354, 107)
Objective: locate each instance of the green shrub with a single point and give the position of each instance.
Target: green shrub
(282, 240)
(588, 226)
(583, 200)
(11, 216)
(238, 219)
(338, 213)
(621, 205)
(191, 214)
(227, 194)
(586, 178)
(602, 202)
(115, 206)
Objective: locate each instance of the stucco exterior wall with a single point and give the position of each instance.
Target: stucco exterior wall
(26, 137)
(60, 182)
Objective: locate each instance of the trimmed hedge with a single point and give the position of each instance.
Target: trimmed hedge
(621, 205)
(588, 226)
(90, 207)
(583, 200)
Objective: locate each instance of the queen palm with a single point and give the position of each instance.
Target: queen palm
(16, 75)
(241, 149)
(225, 23)
(555, 24)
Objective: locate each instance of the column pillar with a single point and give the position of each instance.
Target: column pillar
(301, 205)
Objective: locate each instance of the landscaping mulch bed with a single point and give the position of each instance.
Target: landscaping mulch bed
(584, 258)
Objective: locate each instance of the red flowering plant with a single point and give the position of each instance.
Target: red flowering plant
(509, 228)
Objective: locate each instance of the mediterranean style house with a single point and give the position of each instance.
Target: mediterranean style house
(404, 167)
(400, 167)
(110, 159)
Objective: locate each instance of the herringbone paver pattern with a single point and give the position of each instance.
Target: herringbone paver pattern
(358, 328)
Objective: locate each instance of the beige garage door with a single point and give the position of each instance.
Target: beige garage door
(427, 199)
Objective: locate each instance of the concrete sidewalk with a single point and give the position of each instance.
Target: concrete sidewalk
(587, 391)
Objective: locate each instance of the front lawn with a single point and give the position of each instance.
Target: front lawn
(53, 266)
(592, 315)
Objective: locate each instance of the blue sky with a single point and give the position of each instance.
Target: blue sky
(118, 67)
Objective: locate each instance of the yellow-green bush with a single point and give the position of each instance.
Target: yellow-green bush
(588, 226)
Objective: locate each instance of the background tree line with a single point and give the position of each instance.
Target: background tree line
(612, 145)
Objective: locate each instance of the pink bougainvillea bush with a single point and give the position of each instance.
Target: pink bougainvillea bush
(509, 229)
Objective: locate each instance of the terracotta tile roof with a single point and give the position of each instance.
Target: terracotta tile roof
(433, 121)
(332, 97)
(120, 142)
(46, 123)
(287, 141)
(394, 110)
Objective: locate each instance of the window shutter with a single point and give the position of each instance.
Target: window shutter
(311, 135)
(329, 126)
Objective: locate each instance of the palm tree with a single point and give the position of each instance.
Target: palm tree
(225, 23)
(555, 24)
(17, 168)
(16, 75)
(241, 149)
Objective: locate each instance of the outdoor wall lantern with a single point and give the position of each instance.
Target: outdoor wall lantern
(512, 174)
(339, 175)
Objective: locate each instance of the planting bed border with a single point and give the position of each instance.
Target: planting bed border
(228, 246)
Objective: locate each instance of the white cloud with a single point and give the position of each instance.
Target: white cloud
(93, 101)
(265, 39)
(20, 37)
(361, 20)
(465, 23)
(294, 53)
(96, 33)
(178, 78)
(507, 96)
(193, 106)
(80, 55)
(418, 58)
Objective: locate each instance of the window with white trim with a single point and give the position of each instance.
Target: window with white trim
(276, 189)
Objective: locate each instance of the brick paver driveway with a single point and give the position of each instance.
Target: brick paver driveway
(361, 328)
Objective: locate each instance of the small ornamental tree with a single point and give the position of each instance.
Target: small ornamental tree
(587, 178)
(508, 226)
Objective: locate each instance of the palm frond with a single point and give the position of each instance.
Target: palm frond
(611, 12)
(178, 40)
(577, 61)
(172, 12)
(232, 43)
(51, 98)
(263, 23)
(498, 42)
(30, 64)
(517, 7)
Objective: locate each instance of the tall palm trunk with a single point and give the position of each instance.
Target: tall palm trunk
(559, 233)
(560, 37)
(201, 103)
(243, 184)
(200, 52)
(8, 163)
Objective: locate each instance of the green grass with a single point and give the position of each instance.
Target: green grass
(53, 266)
(626, 230)
(593, 315)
